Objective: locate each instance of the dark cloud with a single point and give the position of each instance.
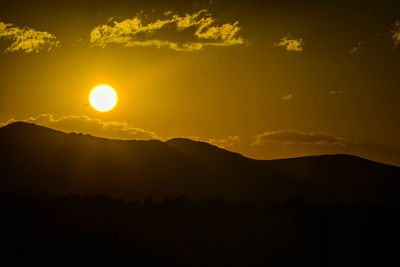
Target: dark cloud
(290, 137)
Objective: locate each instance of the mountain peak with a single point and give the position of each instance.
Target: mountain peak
(19, 124)
(25, 128)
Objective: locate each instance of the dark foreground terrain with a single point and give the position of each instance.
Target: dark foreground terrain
(188, 203)
(75, 230)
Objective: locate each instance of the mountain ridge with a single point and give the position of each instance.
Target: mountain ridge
(184, 139)
(36, 158)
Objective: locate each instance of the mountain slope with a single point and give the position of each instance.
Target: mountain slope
(36, 158)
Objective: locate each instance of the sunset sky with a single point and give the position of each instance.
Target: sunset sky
(267, 79)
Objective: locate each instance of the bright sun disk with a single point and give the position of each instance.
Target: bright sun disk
(103, 98)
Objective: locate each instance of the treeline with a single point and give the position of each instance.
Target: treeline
(74, 230)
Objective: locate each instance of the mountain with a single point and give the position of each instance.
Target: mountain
(35, 158)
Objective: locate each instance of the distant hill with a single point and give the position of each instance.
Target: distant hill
(35, 158)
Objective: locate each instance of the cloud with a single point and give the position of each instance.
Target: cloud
(396, 33)
(86, 125)
(226, 142)
(356, 48)
(291, 44)
(26, 39)
(287, 97)
(292, 143)
(291, 137)
(129, 32)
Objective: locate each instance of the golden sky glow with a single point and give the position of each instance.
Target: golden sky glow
(268, 79)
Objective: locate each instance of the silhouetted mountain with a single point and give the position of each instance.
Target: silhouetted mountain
(35, 158)
(64, 229)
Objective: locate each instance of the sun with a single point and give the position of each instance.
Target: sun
(103, 98)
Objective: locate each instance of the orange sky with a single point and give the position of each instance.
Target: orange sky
(266, 79)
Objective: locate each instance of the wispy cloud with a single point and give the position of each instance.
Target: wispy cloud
(287, 97)
(356, 48)
(291, 44)
(26, 39)
(396, 33)
(336, 92)
(129, 32)
(291, 137)
(226, 142)
(87, 125)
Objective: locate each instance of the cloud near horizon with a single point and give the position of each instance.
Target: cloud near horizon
(291, 44)
(291, 137)
(226, 142)
(26, 39)
(87, 125)
(127, 32)
(292, 143)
